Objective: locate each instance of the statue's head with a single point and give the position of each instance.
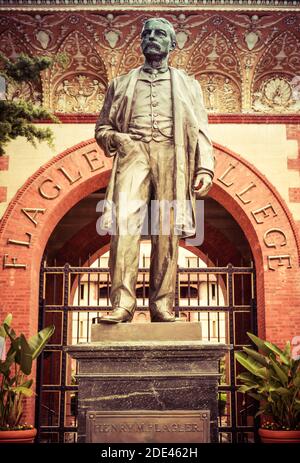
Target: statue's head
(158, 37)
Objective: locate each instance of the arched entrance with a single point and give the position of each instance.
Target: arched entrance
(82, 170)
(221, 298)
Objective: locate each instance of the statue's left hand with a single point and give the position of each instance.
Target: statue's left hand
(202, 184)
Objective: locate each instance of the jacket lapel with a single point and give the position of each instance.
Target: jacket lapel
(126, 107)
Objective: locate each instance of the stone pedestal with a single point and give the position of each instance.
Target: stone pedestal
(160, 385)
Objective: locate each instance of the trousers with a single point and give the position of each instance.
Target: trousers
(144, 172)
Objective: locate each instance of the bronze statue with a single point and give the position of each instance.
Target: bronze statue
(155, 125)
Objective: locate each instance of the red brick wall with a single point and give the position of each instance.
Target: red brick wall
(278, 291)
(293, 133)
(294, 195)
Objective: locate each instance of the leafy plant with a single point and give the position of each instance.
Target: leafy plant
(273, 378)
(15, 367)
(17, 116)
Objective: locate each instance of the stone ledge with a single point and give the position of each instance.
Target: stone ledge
(141, 332)
(154, 351)
(142, 376)
(168, 346)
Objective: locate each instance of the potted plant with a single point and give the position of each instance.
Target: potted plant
(273, 378)
(15, 386)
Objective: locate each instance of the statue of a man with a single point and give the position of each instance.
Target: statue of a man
(154, 123)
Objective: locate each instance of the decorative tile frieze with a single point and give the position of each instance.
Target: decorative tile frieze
(246, 62)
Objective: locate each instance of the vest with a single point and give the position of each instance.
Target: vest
(152, 114)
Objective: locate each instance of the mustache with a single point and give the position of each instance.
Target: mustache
(153, 45)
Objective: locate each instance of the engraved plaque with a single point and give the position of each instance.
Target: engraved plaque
(143, 426)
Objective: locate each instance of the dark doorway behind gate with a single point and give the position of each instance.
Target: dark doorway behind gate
(215, 285)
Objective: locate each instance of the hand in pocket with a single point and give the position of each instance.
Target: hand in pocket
(123, 142)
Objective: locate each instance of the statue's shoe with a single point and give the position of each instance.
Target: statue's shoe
(162, 316)
(118, 315)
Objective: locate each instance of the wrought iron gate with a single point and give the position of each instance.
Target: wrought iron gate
(221, 298)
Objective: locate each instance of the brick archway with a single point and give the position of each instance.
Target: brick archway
(77, 172)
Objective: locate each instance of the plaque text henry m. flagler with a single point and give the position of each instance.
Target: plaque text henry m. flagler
(147, 427)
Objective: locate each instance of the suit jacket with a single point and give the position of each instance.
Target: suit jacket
(193, 147)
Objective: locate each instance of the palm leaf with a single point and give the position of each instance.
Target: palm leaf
(282, 376)
(39, 340)
(22, 390)
(287, 350)
(245, 388)
(278, 351)
(5, 366)
(28, 383)
(247, 377)
(251, 365)
(9, 332)
(282, 391)
(256, 356)
(259, 343)
(26, 356)
(15, 343)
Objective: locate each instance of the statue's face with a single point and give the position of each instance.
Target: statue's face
(156, 39)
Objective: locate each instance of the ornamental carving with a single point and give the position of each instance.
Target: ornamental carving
(79, 94)
(78, 53)
(214, 53)
(282, 55)
(274, 74)
(221, 94)
(84, 81)
(25, 90)
(276, 95)
(11, 46)
(246, 61)
(132, 57)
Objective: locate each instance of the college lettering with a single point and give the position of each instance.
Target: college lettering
(49, 189)
(273, 237)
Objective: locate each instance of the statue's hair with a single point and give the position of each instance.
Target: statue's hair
(164, 21)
